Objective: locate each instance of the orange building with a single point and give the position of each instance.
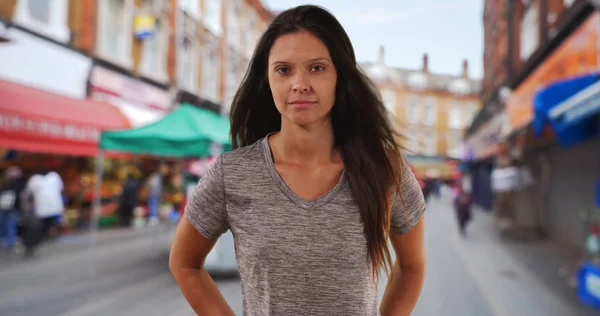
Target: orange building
(433, 109)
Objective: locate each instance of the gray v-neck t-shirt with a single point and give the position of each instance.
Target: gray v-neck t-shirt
(295, 257)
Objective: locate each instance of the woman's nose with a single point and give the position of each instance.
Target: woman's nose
(301, 83)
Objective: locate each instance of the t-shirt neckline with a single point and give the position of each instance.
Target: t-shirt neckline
(298, 200)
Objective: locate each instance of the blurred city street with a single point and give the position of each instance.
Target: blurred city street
(476, 276)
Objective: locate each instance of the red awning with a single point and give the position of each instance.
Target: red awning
(39, 121)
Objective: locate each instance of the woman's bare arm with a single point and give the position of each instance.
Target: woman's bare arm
(408, 273)
(186, 261)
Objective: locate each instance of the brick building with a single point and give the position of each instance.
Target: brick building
(531, 45)
(188, 51)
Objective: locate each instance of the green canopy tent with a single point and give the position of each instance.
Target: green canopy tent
(188, 131)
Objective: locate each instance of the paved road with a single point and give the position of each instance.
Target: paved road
(130, 277)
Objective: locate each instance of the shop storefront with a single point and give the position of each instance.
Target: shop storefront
(40, 129)
(483, 146)
(141, 102)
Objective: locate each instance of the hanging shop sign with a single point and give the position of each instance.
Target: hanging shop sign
(108, 82)
(577, 55)
(485, 142)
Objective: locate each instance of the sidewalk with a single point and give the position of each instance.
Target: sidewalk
(517, 278)
(82, 241)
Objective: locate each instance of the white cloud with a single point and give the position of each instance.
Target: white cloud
(379, 16)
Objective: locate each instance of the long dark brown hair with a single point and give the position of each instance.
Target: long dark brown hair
(362, 130)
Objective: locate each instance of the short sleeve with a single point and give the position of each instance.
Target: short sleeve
(206, 209)
(408, 207)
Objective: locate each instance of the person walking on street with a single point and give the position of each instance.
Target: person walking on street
(314, 191)
(46, 189)
(128, 200)
(10, 206)
(462, 208)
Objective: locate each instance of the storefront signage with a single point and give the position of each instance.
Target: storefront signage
(485, 141)
(105, 81)
(49, 129)
(38, 63)
(575, 56)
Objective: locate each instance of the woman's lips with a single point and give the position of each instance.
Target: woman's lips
(302, 104)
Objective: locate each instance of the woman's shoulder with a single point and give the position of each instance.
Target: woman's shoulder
(242, 156)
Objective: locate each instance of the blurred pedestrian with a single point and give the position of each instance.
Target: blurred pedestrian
(11, 191)
(155, 191)
(462, 207)
(46, 189)
(316, 188)
(128, 200)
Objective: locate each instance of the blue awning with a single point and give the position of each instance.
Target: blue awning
(570, 106)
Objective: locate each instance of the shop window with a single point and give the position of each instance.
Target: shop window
(115, 28)
(46, 17)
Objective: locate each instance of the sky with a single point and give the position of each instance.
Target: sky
(448, 30)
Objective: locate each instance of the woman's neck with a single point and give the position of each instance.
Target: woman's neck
(306, 144)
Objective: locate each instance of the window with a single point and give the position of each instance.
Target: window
(454, 145)
(187, 66)
(232, 78)
(233, 26)
(529, 31)
(471, 111)
(115, 26)
(430, 144)
(154, 50)
(212, 16)
(414, 142)
(413, 111)
(431, 113)
(210, 73)
(46, 17)
(389, 100)
(190, 7)
(454, 116)
(250, 32)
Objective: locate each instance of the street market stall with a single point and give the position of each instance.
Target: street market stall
(186, 132)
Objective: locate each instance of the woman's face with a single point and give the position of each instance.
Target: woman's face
(302, 78)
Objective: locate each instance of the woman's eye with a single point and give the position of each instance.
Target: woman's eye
(283, 70)
(317, 68)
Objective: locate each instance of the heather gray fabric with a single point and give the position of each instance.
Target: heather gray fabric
(295, 257)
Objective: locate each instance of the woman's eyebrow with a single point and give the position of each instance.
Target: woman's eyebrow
(312, 60)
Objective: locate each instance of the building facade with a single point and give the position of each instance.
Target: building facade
(433, 109)
(532, 46)
(139, 49)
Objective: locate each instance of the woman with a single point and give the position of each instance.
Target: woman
(314, 191)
